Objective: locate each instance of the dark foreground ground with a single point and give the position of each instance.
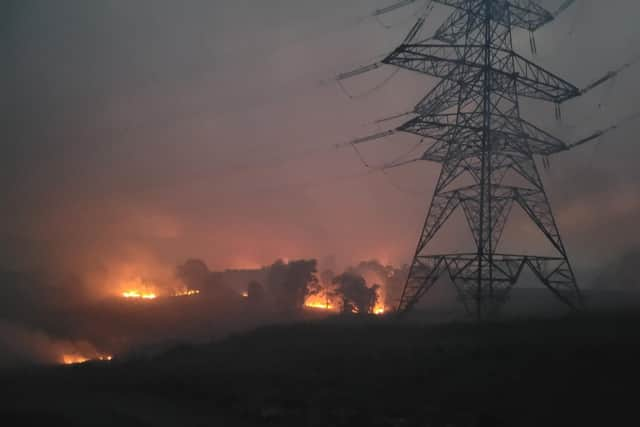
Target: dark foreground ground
(574, 371)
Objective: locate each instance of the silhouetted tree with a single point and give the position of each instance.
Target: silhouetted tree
(290, 283)
(356, 296)
(391, 279)
(255, 292)
(196, 275)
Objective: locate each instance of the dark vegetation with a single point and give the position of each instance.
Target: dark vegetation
(356, 295)
(573, 371)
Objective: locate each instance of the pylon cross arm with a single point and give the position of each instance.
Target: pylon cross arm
(525, 14)
(442, 60)
(439, 126)
(456, 26)
(536, 82)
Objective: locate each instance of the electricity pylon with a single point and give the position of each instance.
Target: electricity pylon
(487, 151)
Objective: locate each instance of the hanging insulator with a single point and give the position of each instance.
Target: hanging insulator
(394, 6)
(532, 43)
(558, 112)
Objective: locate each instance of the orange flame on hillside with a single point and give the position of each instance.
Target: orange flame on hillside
(138, 289)
(321, 302)
(76, 359)
(139, 295)
(379, 308)
(186, 293)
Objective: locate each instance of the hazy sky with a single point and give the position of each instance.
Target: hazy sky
(140, 133)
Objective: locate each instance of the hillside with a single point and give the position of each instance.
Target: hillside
(572, 371)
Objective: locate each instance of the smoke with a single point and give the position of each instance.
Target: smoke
(45, 317)
(109, 163)
(391, 279)
(620, 274)
(40, 318)
(20, 345)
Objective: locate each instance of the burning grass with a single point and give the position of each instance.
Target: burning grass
(135, 294)
(333, 303)
(321, 301)
(139, 289)
(76, 358)
(186, 293)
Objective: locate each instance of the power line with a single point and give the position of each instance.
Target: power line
(598, 134)
(564, 6)
(377, 14)
(368, 92)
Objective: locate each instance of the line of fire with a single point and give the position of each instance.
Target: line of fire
(146, 310)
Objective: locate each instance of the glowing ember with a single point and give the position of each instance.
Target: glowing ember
(76, 359)
(139, 295)
(186, 293)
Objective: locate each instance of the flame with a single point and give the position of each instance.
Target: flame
(380, 306)
(139, 295)
(245, 294)
(138, 289)
(323, 306)
(73, 359)
(186, 293)
(76, 359)
(320, 301)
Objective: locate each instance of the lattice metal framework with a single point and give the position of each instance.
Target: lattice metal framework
(473, 119)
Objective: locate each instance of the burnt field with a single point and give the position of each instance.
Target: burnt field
(578, 370)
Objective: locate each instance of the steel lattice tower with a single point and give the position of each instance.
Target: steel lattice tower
(473, 118)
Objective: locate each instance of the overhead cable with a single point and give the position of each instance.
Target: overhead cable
(602, 132)
(368, 138)
(392, 7)
(564, 6)
(610, 75)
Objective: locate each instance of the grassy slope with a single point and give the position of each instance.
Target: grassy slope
(572, 371)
